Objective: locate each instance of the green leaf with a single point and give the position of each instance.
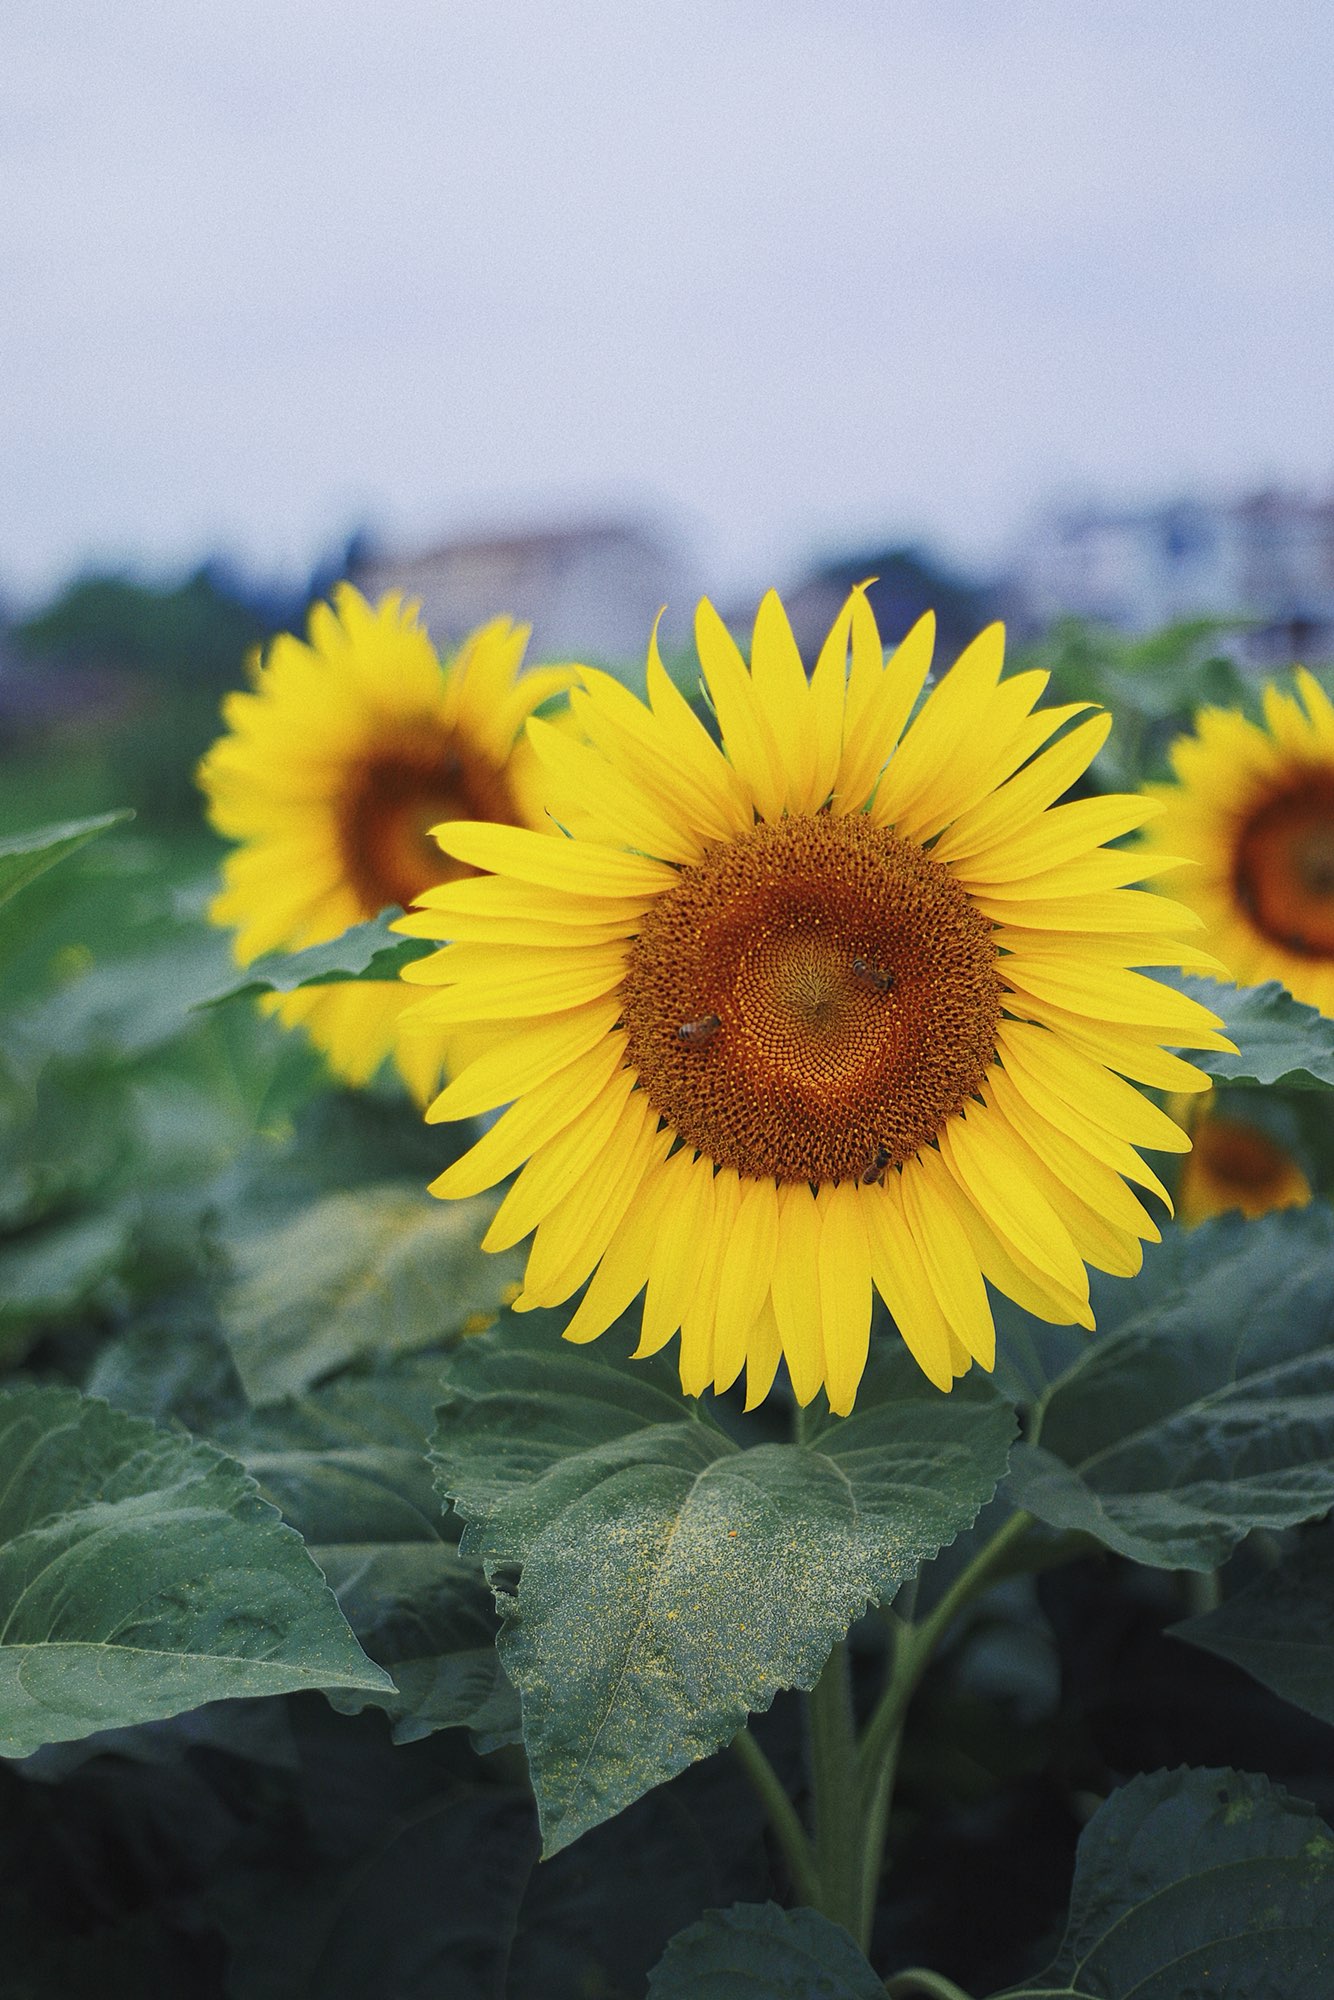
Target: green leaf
(755, 1951)
(1279, 1040)
(25, 856)
(367, 951)
(1195, 1882)
(670, 1582)
(347, 1466)
(1280, 1628)
(47, 1272)
(378, 1272)
(1206, 1415)
(141, 1574)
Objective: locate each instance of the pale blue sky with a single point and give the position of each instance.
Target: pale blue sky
(793, 271)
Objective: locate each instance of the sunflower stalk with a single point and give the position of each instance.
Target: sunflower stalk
(917, 1983)
(852, 1778)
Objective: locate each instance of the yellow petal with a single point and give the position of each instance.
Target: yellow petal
(745, 1274)
(623, 1271)
(795, 1289)
(1060, 834)
(747, 736)
(673, 1266)
(876, 724)
(526, 1057)
(574, 1234)
(981, 1158)
(1018, 802)
(947, 1256)
(587, 794)
(537, 1117)
(901, 1279)
(574, 865)
(764, 1351)
(779, 681)
(845, 1292)
(700, 1318)
(559, 1164)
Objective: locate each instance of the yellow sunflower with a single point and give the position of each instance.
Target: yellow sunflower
(1253, 808)
(331, 773)
(835, 1005)
(1233, 1164)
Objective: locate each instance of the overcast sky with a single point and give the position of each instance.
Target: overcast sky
(790, 272)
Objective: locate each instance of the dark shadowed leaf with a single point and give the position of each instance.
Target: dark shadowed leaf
(367, 951)
(1208, 1414)
(24, 856)
(1281, 1627)
(347, 1466)
(141, 1574)
(370, 1274)
(671, 1581)
(1279, 1039)
(755, 1951)
(48, 1271)
(1197, 1882)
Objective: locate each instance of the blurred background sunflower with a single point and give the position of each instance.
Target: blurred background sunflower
(1252, 811)
(333, 769)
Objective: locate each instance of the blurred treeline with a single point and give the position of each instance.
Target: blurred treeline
(109, 693)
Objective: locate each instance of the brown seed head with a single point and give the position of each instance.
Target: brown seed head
(813, 1071)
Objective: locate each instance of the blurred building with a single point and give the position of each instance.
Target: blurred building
(589, 590)
(1268, 557)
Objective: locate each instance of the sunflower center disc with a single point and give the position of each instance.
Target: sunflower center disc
(1241, 1158)
(396, 795)
(812, 1001)
(1284, 867)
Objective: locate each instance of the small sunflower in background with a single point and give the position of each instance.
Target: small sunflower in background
(1233, 1165)
(349, 748)
(1253, 810)
(835, 1004)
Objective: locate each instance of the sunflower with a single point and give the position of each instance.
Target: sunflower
(1234, 1164)
(330, 775)
(1253, 808)
(835, 1004)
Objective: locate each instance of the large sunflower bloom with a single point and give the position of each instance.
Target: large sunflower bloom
(1253, 809)
(331, 773)
(814, 1011)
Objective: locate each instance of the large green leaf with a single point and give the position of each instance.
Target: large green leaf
(668, 1581)
(347, 1466)
(755, 1951)
(1279, 1040)
(1281, 1627)
(1197, 1882)
(1207, 1415)
(25, 856)
(370, 1274)
(141, 1574)
(367, 951)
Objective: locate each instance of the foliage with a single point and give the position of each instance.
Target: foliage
(332, 1590)
(198, 628)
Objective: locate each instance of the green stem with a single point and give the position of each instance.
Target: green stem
(919, 1642)
(787, 1827)
(1203, 1591)
(918, 1980)
(837, 1798)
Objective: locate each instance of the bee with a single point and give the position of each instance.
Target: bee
(874, 1172)
(694, 1034)
(875, 977)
